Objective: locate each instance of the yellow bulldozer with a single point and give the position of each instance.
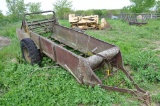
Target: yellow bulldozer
(88, 22)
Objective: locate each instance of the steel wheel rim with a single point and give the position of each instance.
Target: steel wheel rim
(26, 55)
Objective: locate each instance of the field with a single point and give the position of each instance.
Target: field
(51, 85)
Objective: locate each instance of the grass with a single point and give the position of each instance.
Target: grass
(23, 84)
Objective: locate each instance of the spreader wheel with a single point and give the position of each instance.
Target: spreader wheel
(30, 53)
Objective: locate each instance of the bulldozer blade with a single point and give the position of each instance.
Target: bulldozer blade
(104, 24)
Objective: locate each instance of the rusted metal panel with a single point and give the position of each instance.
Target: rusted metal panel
(65, 57)
(97, 59)
(88, 76)
(83, 42)
(68, 61)
(21, 34)
(36, 38)
(47, 46)
(79, 41)
(76, 65)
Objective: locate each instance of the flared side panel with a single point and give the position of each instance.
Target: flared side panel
(78, 40)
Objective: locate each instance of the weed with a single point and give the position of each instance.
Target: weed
(156, 98)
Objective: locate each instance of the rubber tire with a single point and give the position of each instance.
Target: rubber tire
(28, 45)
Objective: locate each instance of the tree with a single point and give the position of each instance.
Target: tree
(80, 12)
(126, 9)
(62, 8)
(1, 15)
(139, 6)
(158, 6)
(98, 12)
(34, 7)
(89, 12)
(16, 8)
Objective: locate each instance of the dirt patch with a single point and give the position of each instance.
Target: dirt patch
(4, 41)
(158, 45)
(157, 49)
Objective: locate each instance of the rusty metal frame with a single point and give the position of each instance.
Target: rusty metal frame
(95, 52)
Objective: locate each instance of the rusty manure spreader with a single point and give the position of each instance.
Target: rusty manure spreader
(82, 55)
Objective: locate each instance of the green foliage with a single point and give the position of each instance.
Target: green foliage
(16, 8)
(80, 12)
(94, 12)
(64, 23)
(151, 74)
(100, 13)
(9, 32)
(126, 9)
(143, 59)
(139, 6)
(1, 15)
(158, 6)
(34, 7)
(62, 8)
(156, 98)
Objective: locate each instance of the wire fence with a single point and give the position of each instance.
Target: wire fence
(138, 17)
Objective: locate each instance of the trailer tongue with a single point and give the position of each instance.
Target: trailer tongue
(77, 52)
